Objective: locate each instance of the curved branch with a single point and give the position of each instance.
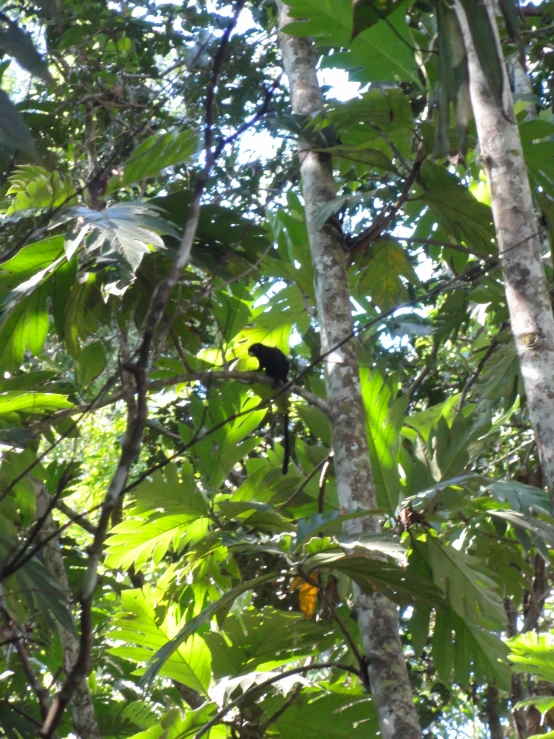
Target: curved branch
(266, 684)
(152, 385)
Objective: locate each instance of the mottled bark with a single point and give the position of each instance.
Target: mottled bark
(82, 708)
(517, 693)
(493, 718)
(376, 615)
(518, 240)
(521, 85)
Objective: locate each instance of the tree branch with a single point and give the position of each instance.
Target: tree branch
(268, 683)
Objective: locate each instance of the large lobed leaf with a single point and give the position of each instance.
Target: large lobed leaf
(168, 514)
(140, 629)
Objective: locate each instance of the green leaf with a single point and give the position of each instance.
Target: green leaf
(317, 422)
(30, 260)
(384, 422)
(365, 13)
(364, 154)
(539, 160)
(25, 321)
(467, 585)
(533, 653)
(168, 513)
(26, 381)
(189, 664)
(34, 187)
(419, 628)
(484, 39)
(220, 227)
(380, 53)
(463, 217)
(442, 646)
(15, 725)
(541, 530)
(380, 280)
(124, 232)
(520, 497)
(490, 655)
(154, 155)
(173, 725)
(330, 523)
(15, 401)
(328, 22)
(374, 575)
(42, 592)
(13, 129)
(165, 652)
(380, 119)
(510, 13)
(453, 80)
(19, 45)
(384, 543)
(254, 639)
(331, 713)
(91, 362)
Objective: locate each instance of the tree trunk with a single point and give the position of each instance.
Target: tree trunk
(518, 240)
(376, 615)
(82, 708)
(493, 718)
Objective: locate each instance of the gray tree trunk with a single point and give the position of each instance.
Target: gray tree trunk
(376, 615)
(518, 238)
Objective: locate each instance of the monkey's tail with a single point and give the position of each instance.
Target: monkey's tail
(286, 444)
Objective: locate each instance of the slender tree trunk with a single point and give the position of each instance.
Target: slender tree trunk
(376, 615)
(518, 240)
(82, 708)
(521, 85)
(493, 718)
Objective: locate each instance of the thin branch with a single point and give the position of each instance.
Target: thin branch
(249, 378)
(480, 367)
(470, 275)
(352, 644)
(357, 244)
(424, 371)
(95, 403)
(25, 658)
(295, 692)
(133, 437)
(10, 568)
(304, 483)
(268, 683)
(161, 430)
(75, 517)
(462, 248)
(322, 481)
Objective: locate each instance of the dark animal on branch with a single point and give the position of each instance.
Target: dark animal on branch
(276, 366)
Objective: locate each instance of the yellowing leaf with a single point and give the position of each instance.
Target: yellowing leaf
(307, 593)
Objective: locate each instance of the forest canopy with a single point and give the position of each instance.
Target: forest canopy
(366, 187)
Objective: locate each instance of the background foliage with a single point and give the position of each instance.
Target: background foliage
(222, 579)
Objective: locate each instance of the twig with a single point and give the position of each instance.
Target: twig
(424, 371)
(356, 244)
(24, 657)
(480, 367)
(268, 683)
(75, 517)
(153, 385)
(322, 481)
(281, 710)
(306, 480)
